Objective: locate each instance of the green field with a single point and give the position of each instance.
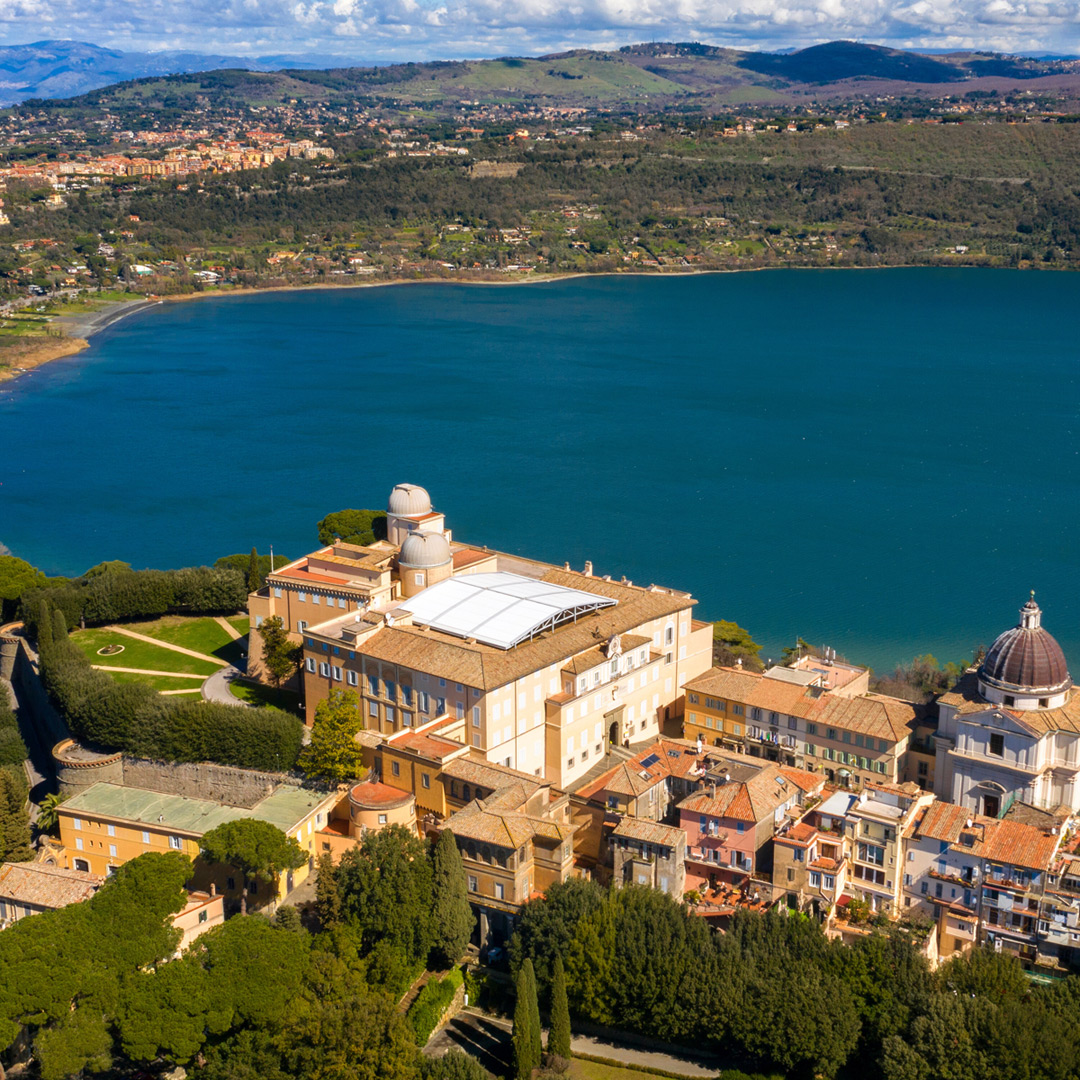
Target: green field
(258, 694)
(203, 635)
(191, 683)
(139, 654)
(595, 1070)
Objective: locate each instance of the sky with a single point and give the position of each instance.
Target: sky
(394, 30)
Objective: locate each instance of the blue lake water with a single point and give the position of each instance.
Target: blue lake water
(884, 462)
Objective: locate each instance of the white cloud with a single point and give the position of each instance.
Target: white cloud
(423, 29)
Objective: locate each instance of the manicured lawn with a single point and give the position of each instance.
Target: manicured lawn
(138, 654)
(240, 623)
(160, 682)
(203, 635)
(257, 694)
(593, 1070)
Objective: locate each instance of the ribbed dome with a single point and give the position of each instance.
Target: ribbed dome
(424, 549)
(1026, 658)
(409, 500)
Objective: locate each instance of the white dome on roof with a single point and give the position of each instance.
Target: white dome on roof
(409, 500)
(421, 550)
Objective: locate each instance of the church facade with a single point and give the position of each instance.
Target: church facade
(1009, 731)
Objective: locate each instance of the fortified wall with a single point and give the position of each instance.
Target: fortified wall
(78, 768)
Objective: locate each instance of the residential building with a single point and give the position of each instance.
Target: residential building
(548, 667)
(874, 827)
(647, 853)
(514, 844)
(1010, 730)
(740, 804)
(816, 715)
(202, 911)
(106, 825)
(32, 887)
(810, 860)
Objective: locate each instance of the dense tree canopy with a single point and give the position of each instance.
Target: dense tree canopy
(333, 755)
(353, 526)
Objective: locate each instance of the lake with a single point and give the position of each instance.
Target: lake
(881, 461)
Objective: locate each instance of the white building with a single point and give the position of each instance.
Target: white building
(1010, 731)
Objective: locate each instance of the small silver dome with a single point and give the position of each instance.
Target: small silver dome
(409, 500)
(421, 550)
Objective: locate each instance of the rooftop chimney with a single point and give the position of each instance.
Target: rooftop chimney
(588, 568)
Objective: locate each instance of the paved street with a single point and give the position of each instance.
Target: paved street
(487, 1038)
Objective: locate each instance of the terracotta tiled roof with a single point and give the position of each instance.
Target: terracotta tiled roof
(489, 775)
(755, 799)
(674, 757)
(427, 745)
(373, 795)
(1012, 844)
(941, 821)
(649, 832)
(43, 886)
(876, 715)
(502, 827)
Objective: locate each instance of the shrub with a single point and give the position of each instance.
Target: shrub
(430, 1004)
(116, 716)
(115, 592)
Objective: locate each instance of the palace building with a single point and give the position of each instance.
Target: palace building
(547, 666)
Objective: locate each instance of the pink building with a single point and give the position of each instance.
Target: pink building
(730, 822)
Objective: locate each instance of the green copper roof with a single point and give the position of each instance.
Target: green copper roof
(286, 806)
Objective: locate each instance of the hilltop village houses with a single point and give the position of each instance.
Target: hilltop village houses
(563, 723)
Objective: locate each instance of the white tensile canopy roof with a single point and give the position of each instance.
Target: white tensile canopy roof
(500, 609)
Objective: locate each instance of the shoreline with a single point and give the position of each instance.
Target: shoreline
(85, 326)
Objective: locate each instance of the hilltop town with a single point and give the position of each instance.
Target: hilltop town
(580, 767)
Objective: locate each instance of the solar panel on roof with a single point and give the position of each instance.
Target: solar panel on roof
(650, 761)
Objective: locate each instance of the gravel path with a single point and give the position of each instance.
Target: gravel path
(216, 688)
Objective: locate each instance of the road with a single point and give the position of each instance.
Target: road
(487, 1038)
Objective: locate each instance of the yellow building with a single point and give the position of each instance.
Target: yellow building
(547, 667)
(106, 825)
(816, 715)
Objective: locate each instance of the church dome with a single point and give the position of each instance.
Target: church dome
(421, 550)
(1026, 659)
(409, 500)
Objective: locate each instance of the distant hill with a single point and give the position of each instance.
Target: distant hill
(61, 69)
(652, 75)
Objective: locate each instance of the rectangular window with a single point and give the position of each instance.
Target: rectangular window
(309, 663)
(112, 851)
(145, 837)
(301, 595)
(476, 716)
(373, 685)
(202, 915)
(337, 673)
(373, 708)
(498, 890)
(301, 626)
(425, 781)
(316, 598)
(382, 819)
(815, 880)
(78, 843)
(76, 823)
(997, 744)
(460, 709)
(324, 669)
(351, 677)
(391, 715)
(391, 690)
(472, 883)
(395, 768)
(111, 830)
(175, 843)
(277, 592)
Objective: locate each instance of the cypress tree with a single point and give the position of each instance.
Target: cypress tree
(327, 893)
(44, 625)
(14, 820)
(452, 916)
(254, 578)
(59, 626)
(559, 1032)
(525, 1041)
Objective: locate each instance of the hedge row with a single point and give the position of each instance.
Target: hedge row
(430, 1004)
(12, 747)
(115, 595)
(129, 716)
